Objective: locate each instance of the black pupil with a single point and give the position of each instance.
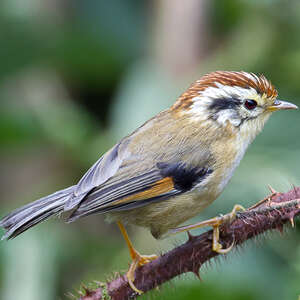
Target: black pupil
(250, 104)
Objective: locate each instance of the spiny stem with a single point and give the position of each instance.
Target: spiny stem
(271, 213)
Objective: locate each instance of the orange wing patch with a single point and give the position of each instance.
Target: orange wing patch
(158, 188)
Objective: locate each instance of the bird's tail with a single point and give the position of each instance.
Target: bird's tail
(35, 212)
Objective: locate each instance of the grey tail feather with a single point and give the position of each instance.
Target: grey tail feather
(35, 212)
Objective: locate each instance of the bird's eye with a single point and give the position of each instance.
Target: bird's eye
(250, 104)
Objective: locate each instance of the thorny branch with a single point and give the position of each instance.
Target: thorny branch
(271, 213)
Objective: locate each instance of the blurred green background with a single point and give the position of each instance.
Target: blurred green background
(75, 76)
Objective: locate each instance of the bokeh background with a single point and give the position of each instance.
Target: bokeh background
(75, 76)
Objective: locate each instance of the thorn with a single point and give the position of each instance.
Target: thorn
(295, 191)
(272, 190)
(196, 271)
(190, 236)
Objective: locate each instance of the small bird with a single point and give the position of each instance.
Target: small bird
(172, 167)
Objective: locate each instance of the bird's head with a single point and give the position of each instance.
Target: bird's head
(239, 99)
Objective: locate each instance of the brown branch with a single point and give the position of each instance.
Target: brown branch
(270, 213)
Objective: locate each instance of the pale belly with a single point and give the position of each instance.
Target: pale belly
(161, 216)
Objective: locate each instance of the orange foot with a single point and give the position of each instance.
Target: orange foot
(137, 260)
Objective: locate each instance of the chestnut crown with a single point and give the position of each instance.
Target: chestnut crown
(237, 97)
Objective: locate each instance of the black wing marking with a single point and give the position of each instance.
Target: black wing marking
(184, 178)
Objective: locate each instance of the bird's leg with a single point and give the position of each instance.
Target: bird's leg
(137, 259)
(215, 223)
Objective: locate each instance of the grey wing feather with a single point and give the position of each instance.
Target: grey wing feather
(105, 198)
(99, 173)
(125, 193)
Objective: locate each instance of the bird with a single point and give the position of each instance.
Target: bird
(171, 168)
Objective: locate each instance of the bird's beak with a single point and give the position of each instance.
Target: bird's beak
(279, 105)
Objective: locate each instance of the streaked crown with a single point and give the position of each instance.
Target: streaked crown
(227, 82)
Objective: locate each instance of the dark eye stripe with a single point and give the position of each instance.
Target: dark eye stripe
(224, 103)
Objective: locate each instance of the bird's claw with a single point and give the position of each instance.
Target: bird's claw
(138, 260)
(215, 223)
(233, 213)
(219, 248)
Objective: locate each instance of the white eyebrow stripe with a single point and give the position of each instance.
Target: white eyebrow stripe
(201, 103)
(225, 91)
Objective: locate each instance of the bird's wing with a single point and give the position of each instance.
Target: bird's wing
(163, 181)
(141, 169)
(104, 168)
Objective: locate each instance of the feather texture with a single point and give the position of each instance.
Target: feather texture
(164, 181)
(100, 172)
(35, 212)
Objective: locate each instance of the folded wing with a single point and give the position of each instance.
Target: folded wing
(162, 182)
